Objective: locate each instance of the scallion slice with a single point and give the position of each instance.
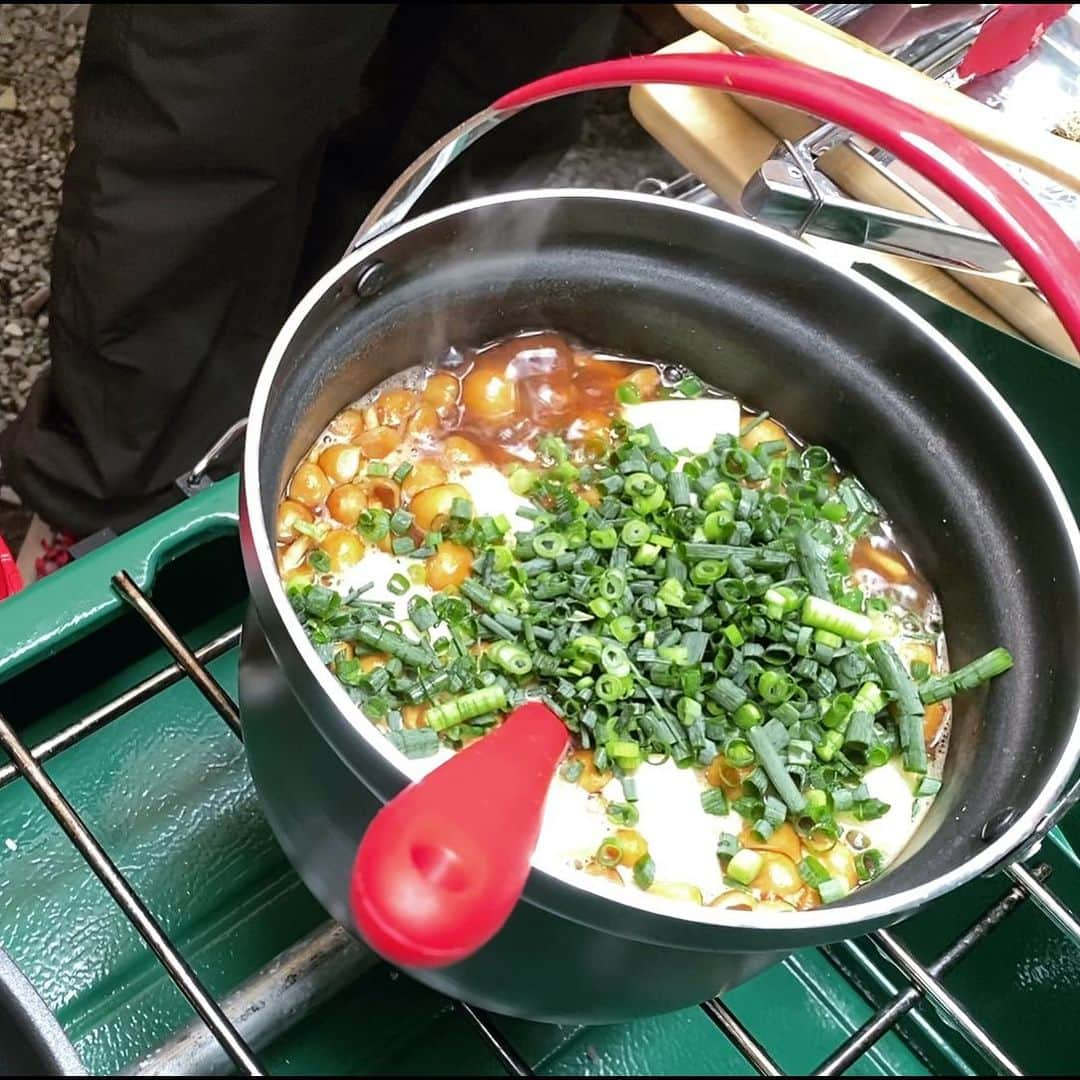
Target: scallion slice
(986, 667)
(624, 814)
(869, 864)
(727, 845)
(745, 865)
(418, 743)
(466, 707)
(610, 851)
(825, 615)
(927, 786)
(836, 888)
(644, 872)
(896, 678)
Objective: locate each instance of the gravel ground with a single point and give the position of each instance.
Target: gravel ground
(39, 55)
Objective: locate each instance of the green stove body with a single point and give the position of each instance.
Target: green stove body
(164, 788)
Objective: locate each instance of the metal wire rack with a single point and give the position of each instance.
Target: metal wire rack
(326, 961)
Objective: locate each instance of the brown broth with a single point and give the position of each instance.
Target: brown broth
(537, 383)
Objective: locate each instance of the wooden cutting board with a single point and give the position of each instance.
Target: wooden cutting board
(724, 142)
(783, 31)
(718, 140)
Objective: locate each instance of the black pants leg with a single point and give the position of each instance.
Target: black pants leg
(199, 139)
(198, 136)
(437, 65)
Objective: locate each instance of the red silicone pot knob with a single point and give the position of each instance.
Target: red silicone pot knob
(442, 865)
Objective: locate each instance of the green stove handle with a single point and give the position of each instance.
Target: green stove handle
(63, 607)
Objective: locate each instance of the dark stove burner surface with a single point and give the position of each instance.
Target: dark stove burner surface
(32, 1043)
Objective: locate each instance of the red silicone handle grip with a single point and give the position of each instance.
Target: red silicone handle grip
(442, 865)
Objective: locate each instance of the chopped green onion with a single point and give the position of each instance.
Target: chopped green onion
(841, 707)
(870, 809)
(811, 561)
(678, 489)
(610, 851)
(762, 829)
(775, 769)
(739, 752)
(727, 694)
(603, 539)
(688, 711)
(834, 889)
(828, 639)
(512, 658)
(727, 845)
(869, 864)
(422, 614)
(745, 866)
(624, 750)
(829, 745)
(572, 770)
(747, 716)
(625, 814)
(373, 524)
(549, 545)
(316, 530)
(813, 871)
(817, 804)
(398, 584)
(466, 707)
(927, 786)
(895, 677)
(380, 639)
(913, 743)
(869, 699)
(714, 801)
(825, 615)
(707, 571)
(644, 872)
(522, 480)
(418, 743)
(319, 561)
(858, 735)
(986, 667)
(877, 755)
(611, 688)
(400, 522)
(646, 555)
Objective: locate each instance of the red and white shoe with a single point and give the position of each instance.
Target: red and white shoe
(44, 551)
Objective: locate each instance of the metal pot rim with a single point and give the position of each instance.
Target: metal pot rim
(557, 893)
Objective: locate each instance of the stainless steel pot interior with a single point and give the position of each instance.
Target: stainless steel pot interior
(837, 359)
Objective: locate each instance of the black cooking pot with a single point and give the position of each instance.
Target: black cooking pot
(833, 357)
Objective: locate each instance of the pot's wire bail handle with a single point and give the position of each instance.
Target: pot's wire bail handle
(951, 160)
(443, 864)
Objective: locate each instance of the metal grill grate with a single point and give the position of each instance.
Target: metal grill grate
(328, 960)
